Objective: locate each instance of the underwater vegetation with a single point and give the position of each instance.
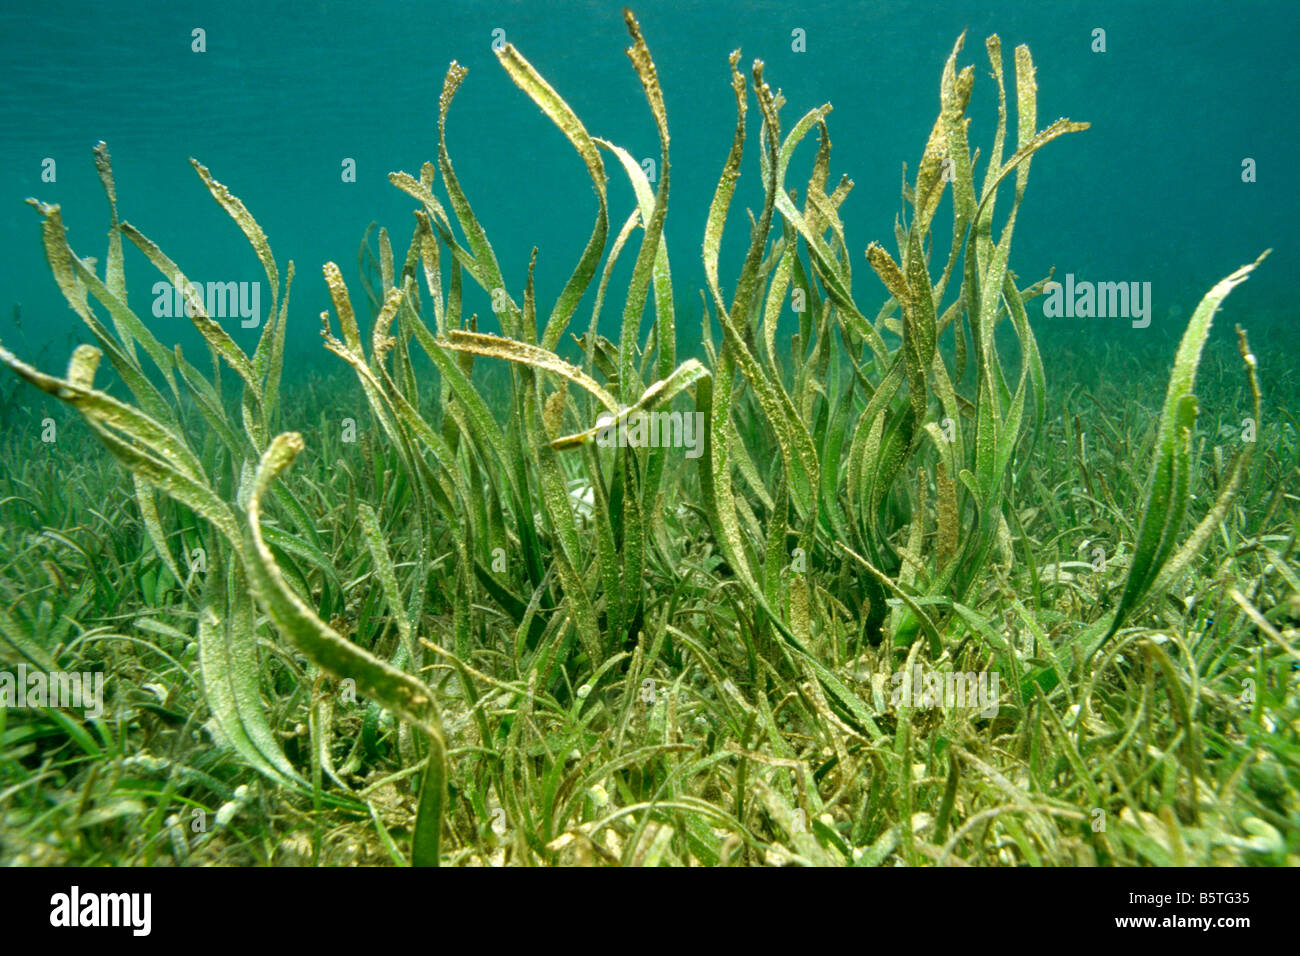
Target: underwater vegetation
(862, 594)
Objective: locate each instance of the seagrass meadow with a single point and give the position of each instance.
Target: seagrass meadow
(826, 563)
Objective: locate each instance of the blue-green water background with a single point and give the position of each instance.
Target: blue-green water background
(286, 91)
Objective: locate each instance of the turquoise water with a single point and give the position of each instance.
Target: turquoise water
(285, 93)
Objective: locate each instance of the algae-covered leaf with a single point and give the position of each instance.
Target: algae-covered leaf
(228, 662)
(560, 113)
(522, 353)
(247, 224)
(405, 695)
(651, 258)
(661, 392)
(484, 266)
(387, 576)
(217, 337)
(1167, 481)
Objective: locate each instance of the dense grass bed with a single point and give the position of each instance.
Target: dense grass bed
(916, 592)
